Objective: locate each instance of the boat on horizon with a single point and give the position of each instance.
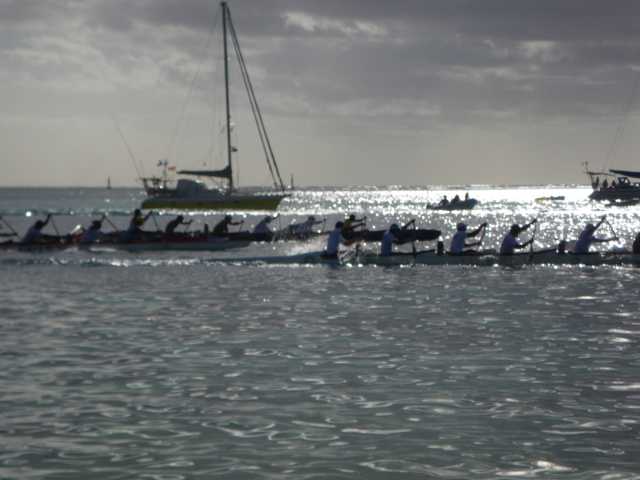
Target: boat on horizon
(192, 193)
(455, 204)
(620, 190)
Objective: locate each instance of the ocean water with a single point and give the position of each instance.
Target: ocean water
(178, 365)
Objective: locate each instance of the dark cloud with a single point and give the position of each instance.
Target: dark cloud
(356, 69)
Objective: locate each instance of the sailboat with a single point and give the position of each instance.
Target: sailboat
(193, 194)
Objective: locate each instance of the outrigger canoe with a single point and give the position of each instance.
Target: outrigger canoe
(404, 236)
(484, 258)
(147, 243)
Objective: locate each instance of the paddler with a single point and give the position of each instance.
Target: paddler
(262, 227)
(587, 237)
(510, 242)
(222, 227)
(334, 241)
(350, 224)
(390, 237)
(636, 245)
(136, 223)
(458, 242)
(92, 234)
(304, 229)
(34, 234)
(175, 223)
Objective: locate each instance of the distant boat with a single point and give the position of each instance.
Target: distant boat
(615, 185)
(556, 198)
(190, 194)
(108, 183)
(466, 204)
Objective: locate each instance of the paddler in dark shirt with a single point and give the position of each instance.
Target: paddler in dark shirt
(175, 223)
(92, 234)
(35, 235)
(636, 245)
(350, 224)
(135, 225)
(222, 227)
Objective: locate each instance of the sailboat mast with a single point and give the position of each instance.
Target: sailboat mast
(226, 90)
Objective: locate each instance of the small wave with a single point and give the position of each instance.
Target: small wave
(97, 262)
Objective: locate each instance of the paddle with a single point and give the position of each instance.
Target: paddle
(411, 223)
(484, 231)
(613, 232)
(413, 240)
(155, 221)
(104, 217)
(53, 224)
(533, 236)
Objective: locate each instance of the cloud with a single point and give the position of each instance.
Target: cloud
(332, 66)
(310, 23)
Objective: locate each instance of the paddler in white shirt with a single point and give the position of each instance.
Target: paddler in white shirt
(458, 242)
(304, 229)
(587, 237)
(334, 241)
(388, 239)
(510, 243)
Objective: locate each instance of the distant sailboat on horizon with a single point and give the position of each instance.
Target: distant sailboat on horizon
(108, 183)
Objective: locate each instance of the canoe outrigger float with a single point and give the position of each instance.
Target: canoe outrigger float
(429, 257)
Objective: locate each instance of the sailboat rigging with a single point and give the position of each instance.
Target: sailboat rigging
(192, 194)
(617, 185)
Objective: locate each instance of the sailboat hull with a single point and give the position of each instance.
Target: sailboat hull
(218, 202)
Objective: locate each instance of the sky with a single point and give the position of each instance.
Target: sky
(353, 92)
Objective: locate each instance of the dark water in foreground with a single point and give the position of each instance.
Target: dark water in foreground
(172, 366)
